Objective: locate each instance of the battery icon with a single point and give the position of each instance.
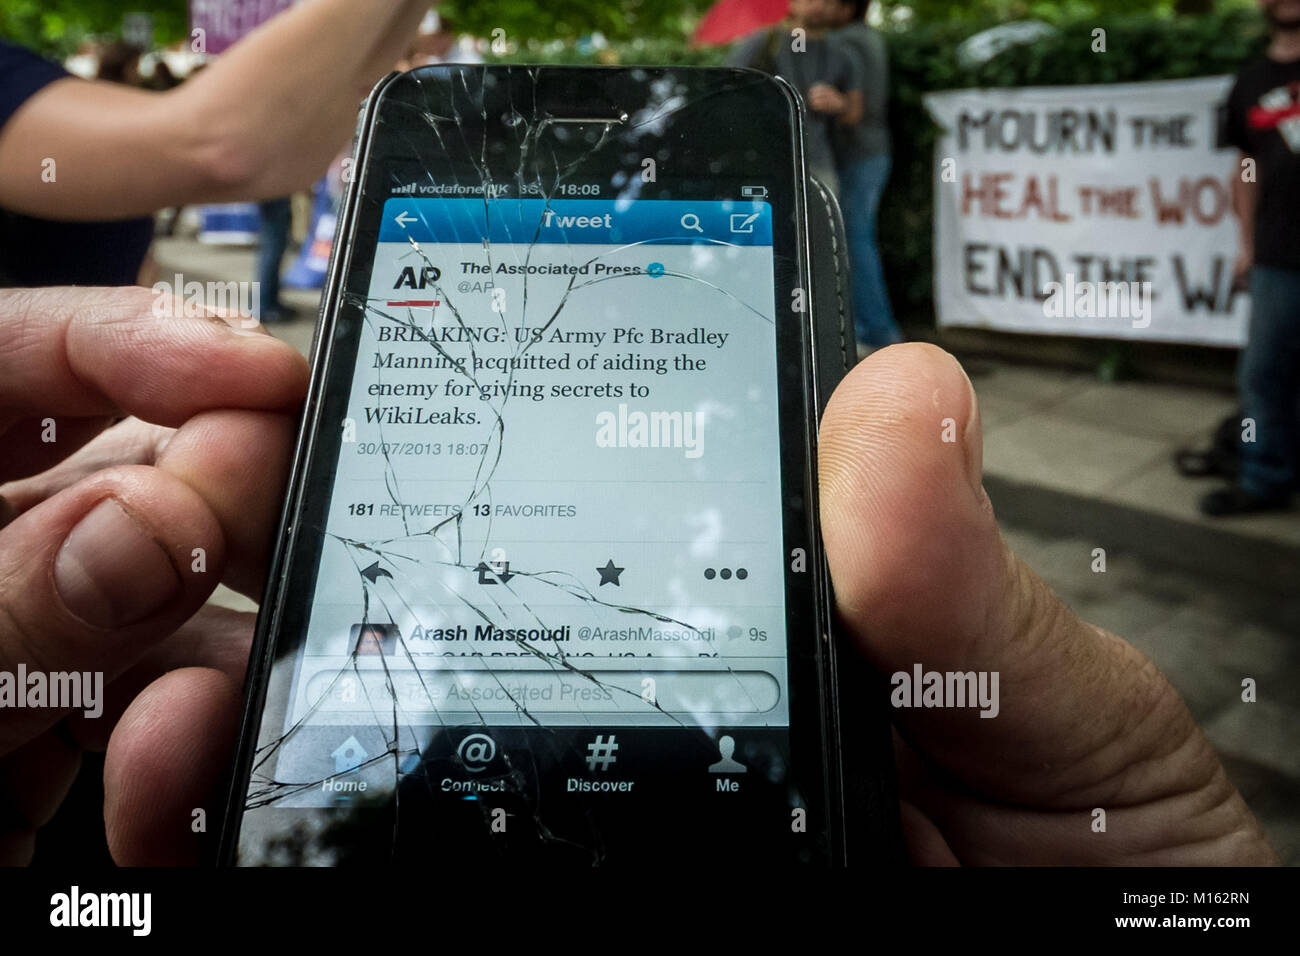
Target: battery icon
(754, 192)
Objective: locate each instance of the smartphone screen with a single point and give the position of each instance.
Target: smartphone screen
(549, 584)
(571, 439)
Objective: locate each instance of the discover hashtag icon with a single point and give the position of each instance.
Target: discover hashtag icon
(600, 753)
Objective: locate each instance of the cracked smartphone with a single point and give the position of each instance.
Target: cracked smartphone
(548, 585)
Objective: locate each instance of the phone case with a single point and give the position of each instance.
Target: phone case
(873, 834)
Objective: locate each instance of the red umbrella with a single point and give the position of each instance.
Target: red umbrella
(729, 19)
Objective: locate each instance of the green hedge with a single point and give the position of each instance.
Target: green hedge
(55, 27)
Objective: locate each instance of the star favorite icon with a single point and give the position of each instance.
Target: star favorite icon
(609, 574)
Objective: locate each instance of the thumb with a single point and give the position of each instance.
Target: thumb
(93, 577)
(923, 577)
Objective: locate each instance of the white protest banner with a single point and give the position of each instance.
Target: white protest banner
(1087, 210)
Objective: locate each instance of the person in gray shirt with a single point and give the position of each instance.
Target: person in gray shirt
(800, 52)
(862, 159)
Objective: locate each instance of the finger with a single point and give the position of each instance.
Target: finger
(129, 442)
(84, 352)
(239, 462)
(34, 780)
(164, 761)
(97, 574)
(925, 844)
(922, 577)
(216, 638)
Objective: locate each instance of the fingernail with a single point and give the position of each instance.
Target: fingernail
(110, 571)
(973, 438)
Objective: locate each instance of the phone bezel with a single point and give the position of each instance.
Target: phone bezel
(811, 676)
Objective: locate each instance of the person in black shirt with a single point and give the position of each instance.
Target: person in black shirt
(1262, 119)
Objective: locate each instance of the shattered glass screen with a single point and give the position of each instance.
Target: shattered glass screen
(607, 567)
(555, 530)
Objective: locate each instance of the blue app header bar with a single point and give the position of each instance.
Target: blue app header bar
(741, 222)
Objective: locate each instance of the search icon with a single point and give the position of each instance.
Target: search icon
(692, 221)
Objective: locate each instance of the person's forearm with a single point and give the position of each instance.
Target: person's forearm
(1245, 201)
(269, 114)
(263, 120)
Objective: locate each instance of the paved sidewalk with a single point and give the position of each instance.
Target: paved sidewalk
(1110, 442)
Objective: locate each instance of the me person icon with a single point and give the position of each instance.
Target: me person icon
(727, 747)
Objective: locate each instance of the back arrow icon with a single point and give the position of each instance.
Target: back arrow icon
(402, 218)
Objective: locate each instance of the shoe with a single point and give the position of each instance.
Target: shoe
(1234, 501)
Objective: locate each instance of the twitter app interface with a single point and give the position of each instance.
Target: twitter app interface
(558, 496)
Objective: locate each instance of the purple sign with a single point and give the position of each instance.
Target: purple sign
(225, 22)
